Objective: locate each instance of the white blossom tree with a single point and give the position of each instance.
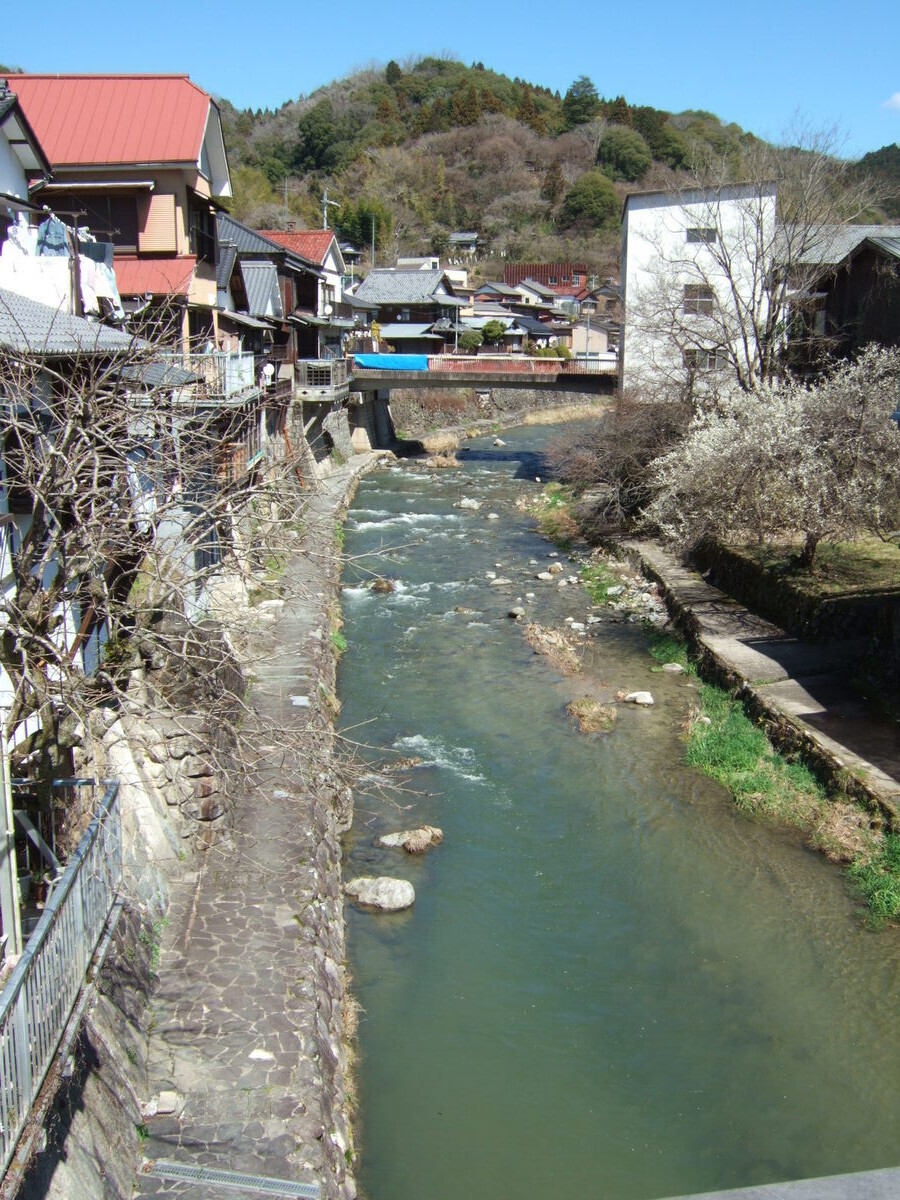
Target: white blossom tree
(819, 460)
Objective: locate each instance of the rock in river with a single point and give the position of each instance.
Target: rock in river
(389, 895)
(643, 698)
(413, 841)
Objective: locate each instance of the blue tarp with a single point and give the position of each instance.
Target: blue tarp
(391, 362)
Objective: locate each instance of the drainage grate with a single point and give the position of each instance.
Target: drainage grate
(231, 1179)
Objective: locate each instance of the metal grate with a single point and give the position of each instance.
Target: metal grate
(233, 1180)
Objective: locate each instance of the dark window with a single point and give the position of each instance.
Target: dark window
(705, 360)
(110, 216)
(202, 230)
(698, 299)
(703, 234)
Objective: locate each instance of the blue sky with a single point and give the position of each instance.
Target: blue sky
(761, 64)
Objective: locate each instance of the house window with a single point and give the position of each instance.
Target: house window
(576, 279)
(698, 299)
(705, 360)
(552, 280)
(110, 216)
(703, 234)
(202, 230)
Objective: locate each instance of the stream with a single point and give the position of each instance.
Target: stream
(611, 983)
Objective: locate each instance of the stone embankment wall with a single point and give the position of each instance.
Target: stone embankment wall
(421, 410)
(812, 618)
(175, 802)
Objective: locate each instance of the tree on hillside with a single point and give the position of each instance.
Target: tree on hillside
(392, 73)
(623, 154)
(818, 460)
(554, 182)
(591, 201)
(581, 103)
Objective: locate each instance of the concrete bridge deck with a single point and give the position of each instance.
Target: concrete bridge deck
(865, 1185)
(486, 371)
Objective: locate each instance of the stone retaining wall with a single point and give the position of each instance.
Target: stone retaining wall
(812, 618)
(416, 411)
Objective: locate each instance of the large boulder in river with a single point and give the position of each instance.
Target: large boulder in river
(644, 699)
(384, 893)
(413, 841)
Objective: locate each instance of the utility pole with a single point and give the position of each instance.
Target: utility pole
(325, 204)
(373, 241)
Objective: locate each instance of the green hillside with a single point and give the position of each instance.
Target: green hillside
(439, 146)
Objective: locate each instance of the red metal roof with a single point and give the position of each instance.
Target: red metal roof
(105, 119)
(311, 244)
(158, 276)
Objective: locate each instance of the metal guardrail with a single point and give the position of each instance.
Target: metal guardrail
(321, 372)
(42, 991)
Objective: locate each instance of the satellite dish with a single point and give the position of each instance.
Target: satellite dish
(268, 371)
(327, 310)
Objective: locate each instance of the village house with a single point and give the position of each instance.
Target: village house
(333, 317)
(683, 313)
(149, 182)
(853, 297)
(416, 312)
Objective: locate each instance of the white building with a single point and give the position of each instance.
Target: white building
(696, 278)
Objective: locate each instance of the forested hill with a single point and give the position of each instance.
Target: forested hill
(440, 146)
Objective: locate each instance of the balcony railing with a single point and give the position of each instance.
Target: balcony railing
(321, 373)
(38, 1000)
(224, 374)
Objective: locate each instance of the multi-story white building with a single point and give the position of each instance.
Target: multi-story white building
(697, 279)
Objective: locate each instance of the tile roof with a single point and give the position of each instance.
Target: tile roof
(831, 244)
(387, 286)
(250, 241)
(158, 276)
(107, 119)
(311, 244)
(29, 327)
(261, 284)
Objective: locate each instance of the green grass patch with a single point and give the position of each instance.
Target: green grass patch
(597, 581)
(878, 879)
(338, 641)
(737, 753)
(554, 515)
(668, 648)
(840, 568)
(340, 536)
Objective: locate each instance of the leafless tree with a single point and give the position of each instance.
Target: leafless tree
(129, 505)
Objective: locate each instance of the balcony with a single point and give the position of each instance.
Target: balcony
(321, 380)
(222, 376)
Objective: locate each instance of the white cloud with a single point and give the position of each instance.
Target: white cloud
(894, 103)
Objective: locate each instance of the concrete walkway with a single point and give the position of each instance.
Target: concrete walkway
(804, 683)
(865, 1185)
(246, 1062)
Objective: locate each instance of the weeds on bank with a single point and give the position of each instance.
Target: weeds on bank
(597, 581)
(553, 510)
(725, 744)
(878, 879)
(667, 648)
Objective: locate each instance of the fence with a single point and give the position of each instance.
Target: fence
(37, 1001)
(321, 373)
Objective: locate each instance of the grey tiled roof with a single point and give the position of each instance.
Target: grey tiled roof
(29, 327)
(832, 243)
(227, 256)
(247, 241)
(261, 282)
(405, 287)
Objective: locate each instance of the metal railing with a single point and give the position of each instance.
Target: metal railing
(223, 373)
(38, 999)
(321, 372)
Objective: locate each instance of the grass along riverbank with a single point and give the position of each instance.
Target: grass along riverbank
(725, 744)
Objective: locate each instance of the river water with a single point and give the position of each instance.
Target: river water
(611, 984)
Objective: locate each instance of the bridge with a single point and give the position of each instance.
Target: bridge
(372, 372)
